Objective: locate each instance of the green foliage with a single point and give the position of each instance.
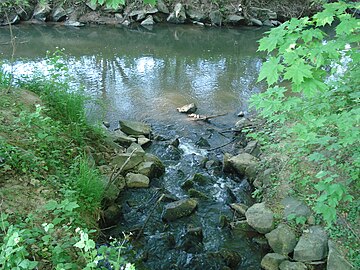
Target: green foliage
(314, 95)
(116, 3)
(88, 183)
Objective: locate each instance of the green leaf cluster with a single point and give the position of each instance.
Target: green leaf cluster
(313, 97)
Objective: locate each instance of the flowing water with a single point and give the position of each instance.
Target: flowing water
(144, 75)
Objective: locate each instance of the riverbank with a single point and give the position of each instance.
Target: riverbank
(208, 13)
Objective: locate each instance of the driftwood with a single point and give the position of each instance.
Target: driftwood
(199, 117)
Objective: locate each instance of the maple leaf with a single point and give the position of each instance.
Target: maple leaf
(324, 17)
(347, 25)
(270, 70)
(297, 72)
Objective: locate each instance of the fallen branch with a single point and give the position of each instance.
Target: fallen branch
(113, 176)
(198, 117)
(148, 217)
(221, 146)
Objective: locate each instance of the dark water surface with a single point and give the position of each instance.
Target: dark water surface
(144, 75)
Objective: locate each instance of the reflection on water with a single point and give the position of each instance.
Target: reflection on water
(145, 75)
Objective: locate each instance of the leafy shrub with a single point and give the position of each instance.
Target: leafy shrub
(313, 95)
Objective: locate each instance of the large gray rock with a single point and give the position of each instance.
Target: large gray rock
(134, 147)
(121, 138)
(135, 180)
(178, 209)
(148, 21)
(134, 128)
(195, 14)
(260, 218)
(152, 166)
(312, 245)
(189, 108)
(58, 14)
(271, 261)
(282, 240)
(243, 164)
(216, 17)
(134, 160)
(287, 265)
(235, 19)
(41, 12)
(162, 7)
(178, 15)
(296, 208)
(335, 260)
(256, 22)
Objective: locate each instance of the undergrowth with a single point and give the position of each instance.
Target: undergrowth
(51, 192)
(312, 112)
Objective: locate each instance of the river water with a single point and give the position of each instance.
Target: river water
(144, 75)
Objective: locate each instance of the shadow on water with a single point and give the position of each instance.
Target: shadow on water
(145, 75)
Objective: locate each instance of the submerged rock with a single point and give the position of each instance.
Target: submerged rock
(271, 261)
(193, 193)
(312, 245)
(135, 180)
(282, 240)
(260, 218)
(189, 108)
(192, 240)
(178, 209)
(134, 128)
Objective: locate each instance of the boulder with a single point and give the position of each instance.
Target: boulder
(195, 14)
(134, 128)
(312, 245)
(144, 142)
(135, 180)
(241, 226)
(260, 218)
(239, 208)
(244, 164)
(200, 179)
(243, 123)
(121, 138)
(296, 208)
(178, 209)
(282, 240)
(253, 148)
(188, 184)
(335, 260)
(41, 12)
(111, 215)
(202, 143)
(271, 261)
(162, 7)
(191, 241)
(134, 160)
(193, 193)
(189, 108)
(58, 14)
(134, 147)
(178, 15)
(91, 5)
(216, 17)
(13, 18)
(235, 19)
(152, 166)
(287, 265)
(256, 22)
(112, 193)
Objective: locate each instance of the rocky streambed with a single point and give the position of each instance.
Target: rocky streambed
(185, 205)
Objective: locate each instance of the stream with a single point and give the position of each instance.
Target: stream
(144, 75)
